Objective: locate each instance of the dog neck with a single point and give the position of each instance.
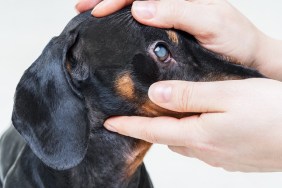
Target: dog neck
(112, 160)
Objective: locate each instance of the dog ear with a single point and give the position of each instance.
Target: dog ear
(48, 112)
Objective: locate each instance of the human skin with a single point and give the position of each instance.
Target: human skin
(239, 127)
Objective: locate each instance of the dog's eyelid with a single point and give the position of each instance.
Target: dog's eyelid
(160, 52)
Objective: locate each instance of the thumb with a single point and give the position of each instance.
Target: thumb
(183, 96)
(84, 5)
(184, 15)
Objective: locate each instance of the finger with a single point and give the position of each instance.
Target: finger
(183, 96)
(107, 7)
(191, 17)
(206, 154)
(161, 130)
(84, 5)
(181, 150)
(213, 158)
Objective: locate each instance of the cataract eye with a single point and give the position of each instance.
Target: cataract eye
(161, 52)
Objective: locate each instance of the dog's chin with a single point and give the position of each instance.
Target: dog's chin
(130, 152)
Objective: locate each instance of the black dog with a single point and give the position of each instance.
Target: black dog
(95, 69)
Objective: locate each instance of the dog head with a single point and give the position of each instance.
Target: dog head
(99, 68)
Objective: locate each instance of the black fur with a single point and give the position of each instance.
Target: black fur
(65, 96)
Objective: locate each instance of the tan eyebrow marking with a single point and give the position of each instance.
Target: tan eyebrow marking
(173, 37)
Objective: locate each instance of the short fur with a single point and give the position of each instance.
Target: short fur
(95, 69)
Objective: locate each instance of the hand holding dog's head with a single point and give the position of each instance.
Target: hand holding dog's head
(104, 66)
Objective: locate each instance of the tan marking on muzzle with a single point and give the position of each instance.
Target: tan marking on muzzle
(135, 159)
(173, 37)
(150, 109)
(232, 60)
(125, 86)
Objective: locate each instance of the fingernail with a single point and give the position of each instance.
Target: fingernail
(144, 10)
(100, 5)
(77, 7)
(109, 126)
(95, 8)
(160, 93)
(92, 12)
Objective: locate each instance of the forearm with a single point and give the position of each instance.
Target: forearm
(269, 57)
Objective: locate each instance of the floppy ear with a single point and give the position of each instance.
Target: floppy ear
(48, 112)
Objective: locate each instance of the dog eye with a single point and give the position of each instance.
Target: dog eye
(162, 53)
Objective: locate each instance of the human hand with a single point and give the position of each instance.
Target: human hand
(102, 7)
(215, 23)
(239, 128)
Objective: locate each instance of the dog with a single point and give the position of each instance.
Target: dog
(95, 69)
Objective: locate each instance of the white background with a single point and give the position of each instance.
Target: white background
(27, 26)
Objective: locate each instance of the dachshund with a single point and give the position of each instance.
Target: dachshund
(95, 69)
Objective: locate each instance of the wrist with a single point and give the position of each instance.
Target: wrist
(257, 48)
(268, 57)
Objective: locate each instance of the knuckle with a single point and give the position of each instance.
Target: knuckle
(149, 136)
(175, 8)
(215, 163)
(172, 14)
(210, 155)
(229, 169)
(204, 153)
(182, 150)
(173, 149)
(185, 99)
(203, 148)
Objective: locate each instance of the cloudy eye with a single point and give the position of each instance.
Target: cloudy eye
(162, 52)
